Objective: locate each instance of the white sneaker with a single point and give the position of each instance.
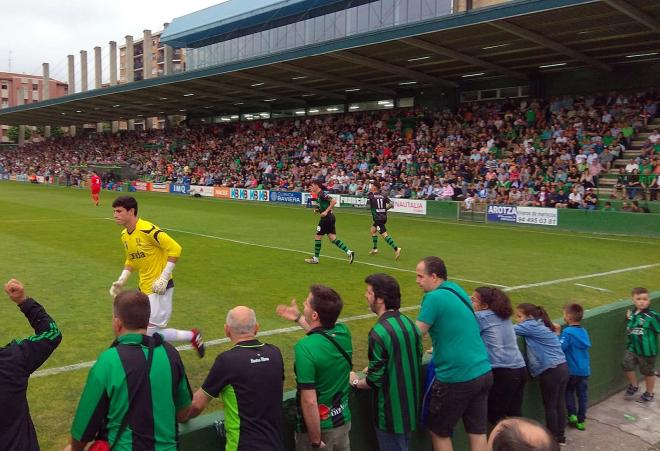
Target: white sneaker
(373, 251)
(312, 261)
(397, 253)
(351, 256)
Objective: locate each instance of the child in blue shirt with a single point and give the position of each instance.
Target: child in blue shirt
(545, 361)
(575, 343)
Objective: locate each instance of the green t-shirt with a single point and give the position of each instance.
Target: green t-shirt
(530, 115)
(643, 328)
(459, 353)
(319, 365)
(627, 132)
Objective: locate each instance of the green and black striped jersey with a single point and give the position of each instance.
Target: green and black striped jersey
(395, 361)
(643, 328)
(117, 387)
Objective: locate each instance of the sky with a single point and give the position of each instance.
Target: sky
(46, 31)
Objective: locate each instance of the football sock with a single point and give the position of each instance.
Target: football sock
(340, 244)
(317, 248)
(171, 334)
(374, 240)
(390, 241)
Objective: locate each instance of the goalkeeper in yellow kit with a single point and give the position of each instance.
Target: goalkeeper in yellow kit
(153, 253)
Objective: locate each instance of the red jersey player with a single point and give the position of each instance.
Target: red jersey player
(95, 186)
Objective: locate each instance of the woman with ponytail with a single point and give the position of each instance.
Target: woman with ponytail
(545, 360)
(493, 311)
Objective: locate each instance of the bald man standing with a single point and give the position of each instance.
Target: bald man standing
(250, 379)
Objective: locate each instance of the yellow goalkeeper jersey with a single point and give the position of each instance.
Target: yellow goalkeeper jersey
(147, 250)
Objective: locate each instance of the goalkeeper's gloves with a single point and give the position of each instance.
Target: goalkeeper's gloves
(117, 285)
(160, 285)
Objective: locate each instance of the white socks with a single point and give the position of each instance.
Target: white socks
(172, 334)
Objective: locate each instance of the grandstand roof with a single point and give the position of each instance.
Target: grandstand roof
(509, 41)
(235, 18)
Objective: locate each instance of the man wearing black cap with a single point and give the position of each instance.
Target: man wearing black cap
(326, 226)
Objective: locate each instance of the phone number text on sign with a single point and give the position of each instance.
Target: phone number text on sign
(537, 215)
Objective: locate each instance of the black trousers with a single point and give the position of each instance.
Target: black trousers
(553, 388)
(506, 395)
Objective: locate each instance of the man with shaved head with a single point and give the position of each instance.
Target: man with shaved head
(521, 434)
(250, 379)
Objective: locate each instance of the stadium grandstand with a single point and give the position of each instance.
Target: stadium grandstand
(298, 59)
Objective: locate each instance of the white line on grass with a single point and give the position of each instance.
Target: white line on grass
(593, 288)
(7, 221)
(588, 276)
(266, 333)
(286, 330)
(247, 243)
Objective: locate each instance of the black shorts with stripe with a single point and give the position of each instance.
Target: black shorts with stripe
(326, 225)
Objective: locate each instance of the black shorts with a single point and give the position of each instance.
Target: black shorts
(380, 225)
(326, 225)
(467, 400)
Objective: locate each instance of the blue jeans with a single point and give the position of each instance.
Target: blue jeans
(577, 385)
(392, 442)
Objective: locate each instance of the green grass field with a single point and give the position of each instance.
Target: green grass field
(67, 253)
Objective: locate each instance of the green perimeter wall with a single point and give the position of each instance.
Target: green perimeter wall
(606, 326)
(596, 221)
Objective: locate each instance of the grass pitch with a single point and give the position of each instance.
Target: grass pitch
(67, 253)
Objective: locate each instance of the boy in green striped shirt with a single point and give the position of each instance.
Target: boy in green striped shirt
(642, 329)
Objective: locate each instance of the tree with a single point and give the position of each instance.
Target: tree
(12, 133)
(55, 131)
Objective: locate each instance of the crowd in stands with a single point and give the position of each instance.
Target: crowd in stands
(525, 152)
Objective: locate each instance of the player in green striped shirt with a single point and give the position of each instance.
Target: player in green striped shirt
(642, 348)
(324, 205)
(395, 361)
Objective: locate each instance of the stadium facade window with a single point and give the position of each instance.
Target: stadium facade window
(406, 102)
(286, 113)
(489, 94)
(374, 16)
(255, 116)
(510, 92)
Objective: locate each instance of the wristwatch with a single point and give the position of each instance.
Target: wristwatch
(355, 383)
(316, 445)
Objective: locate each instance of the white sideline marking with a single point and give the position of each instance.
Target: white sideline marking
(588, 276)
(8, 221)
(246, 243)
(593, 288)
(285, 330)
(266, 333)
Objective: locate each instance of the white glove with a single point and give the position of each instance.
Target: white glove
(160, 285)
(117, 285)
(116, 288)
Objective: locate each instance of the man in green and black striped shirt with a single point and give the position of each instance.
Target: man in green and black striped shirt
(395, 361)
(642, 329)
